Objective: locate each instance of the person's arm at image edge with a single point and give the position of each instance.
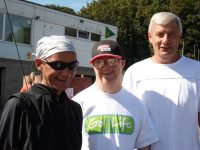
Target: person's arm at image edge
(11, 121)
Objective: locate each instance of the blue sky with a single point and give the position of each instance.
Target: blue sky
(74, 4)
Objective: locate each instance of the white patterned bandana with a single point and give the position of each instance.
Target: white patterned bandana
(50, 45)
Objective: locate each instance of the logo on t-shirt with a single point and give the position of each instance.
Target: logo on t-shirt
(109, 124)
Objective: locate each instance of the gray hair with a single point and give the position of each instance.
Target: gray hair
(164, 18)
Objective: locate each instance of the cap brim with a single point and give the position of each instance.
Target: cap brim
(105, 55)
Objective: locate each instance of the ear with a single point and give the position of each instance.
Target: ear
(39, 64)
(149, 37)
(92, 64)
(181, 36)
(123, 63)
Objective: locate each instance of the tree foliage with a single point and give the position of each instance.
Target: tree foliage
(61, 8)
(132, 18)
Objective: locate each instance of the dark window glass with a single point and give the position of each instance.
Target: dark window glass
(21, 28)
(1, 26)
(95, 37)
(83, 34)
(70, 31)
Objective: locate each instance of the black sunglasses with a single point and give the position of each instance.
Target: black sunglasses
(59, 65)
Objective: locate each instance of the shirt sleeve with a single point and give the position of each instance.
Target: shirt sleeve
(127, 81)
(11, 126)
(198, 95)
(147, 134)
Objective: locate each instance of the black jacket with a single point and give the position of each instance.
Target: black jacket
(39, 120)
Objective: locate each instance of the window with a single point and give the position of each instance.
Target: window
(1, 26)
(83, 34)
(21, 28)
(95, 37)
(70, 32)
(2, 70)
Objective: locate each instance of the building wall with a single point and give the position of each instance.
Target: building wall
(80, 83)
(45, 22)
(12, 76)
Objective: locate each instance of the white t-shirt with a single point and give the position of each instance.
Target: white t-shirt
(172, 95)
(114, 121)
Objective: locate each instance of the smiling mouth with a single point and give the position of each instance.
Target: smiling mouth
(61, 80)
(107, 73)
(165, 48)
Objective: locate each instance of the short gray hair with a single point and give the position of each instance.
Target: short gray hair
(164, 18)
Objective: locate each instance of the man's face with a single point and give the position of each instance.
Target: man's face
(165, 41)
(108, 70)
(58, 78)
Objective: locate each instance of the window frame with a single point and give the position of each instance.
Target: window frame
(81, 32)
(23, 36)
(73, 30)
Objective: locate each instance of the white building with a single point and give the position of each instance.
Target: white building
(30, 22)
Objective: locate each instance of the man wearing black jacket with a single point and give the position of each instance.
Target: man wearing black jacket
(44, 118)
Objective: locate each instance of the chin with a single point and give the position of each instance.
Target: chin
(60, 88)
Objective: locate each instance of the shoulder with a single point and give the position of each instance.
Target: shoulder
(76, 108)
(74, 104)
(190, 61)
(12, 107)
(84, 94)
(190, 66)
(13, 101)
(138, 65)
(136, 70)
(133, 99)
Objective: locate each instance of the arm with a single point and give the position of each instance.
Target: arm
(10, 125)
(148, 133)
(145, 148)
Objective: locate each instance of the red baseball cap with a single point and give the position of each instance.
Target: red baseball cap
(106, 48)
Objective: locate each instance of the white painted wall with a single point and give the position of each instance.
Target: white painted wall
(51, 22)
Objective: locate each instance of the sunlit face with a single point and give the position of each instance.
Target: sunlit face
(108, 70)
(165, 41)
(57, 79)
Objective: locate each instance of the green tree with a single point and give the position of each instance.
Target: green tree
(61, 8)
(121, 13)
(132, 18)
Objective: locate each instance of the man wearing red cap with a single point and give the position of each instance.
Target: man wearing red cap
(114, 119)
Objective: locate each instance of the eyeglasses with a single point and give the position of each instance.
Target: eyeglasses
(59, 65)
(99, 63)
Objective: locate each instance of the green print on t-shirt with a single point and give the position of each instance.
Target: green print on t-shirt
(109, 124)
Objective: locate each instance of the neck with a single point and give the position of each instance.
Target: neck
(165, 60)
(110, 88)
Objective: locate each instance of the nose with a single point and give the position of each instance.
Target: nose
(165, 39)
(106, 65)
(68, 71)
(68, 74)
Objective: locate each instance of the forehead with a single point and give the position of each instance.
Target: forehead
(104, 58)
(170, 27)
(63, 56)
